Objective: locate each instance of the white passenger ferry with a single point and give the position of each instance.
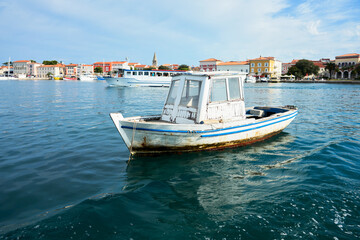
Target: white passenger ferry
(149, 78)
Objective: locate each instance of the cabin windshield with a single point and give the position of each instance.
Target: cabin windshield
(225, 89)
(218, 90)
(172, 92)
(234, 88)
(190, 94)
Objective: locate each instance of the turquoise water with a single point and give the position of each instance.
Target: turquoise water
(64, 171)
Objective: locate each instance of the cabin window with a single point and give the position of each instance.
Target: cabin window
(146, 73)
(190, 94)
(218, 90)
(134, 73)
(173, 92)
(128, 73)
(234, 88)
(166, 74)
(159, 74)
(152, 74)
(140, 73)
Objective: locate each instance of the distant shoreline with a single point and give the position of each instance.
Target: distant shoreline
(338, 81)
(325, 81)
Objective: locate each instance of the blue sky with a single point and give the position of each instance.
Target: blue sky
(87, 31)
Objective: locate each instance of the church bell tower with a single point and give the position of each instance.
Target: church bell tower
(154, 62)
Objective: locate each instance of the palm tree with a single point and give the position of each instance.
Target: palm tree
(331, 67)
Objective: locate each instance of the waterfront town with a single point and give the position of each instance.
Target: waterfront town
(343, 67)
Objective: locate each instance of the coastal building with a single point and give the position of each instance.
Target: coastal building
(346, 64)
(209, 65)
(171, 66)
(85, 69)
(71, 70)
(322, 71)
(265, 67)
(118, 67)
(21, 68)
(285, 66)
(132, 65)
(45, 71)
(141, 67)
(105, 66)
(33, 69)
(234, 66)
(4, 70)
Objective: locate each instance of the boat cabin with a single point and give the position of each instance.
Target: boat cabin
(205, 98)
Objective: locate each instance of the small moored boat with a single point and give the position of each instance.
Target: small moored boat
(88, 78)
(203, 111)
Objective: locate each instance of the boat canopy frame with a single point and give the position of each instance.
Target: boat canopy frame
(195, 98)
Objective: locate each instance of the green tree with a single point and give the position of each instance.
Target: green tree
(183, 67)
(49, 74)
(303, 68)
(6, 63)
(52, 62)
(164, 68)
(98, 70)
(295, 71)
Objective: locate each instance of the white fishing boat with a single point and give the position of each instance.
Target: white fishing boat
(148, 78)
(87, 78)
(203, 111)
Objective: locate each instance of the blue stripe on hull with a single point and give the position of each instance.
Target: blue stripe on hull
(284, 118)
(246, 130)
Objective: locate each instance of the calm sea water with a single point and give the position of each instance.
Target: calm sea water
(64, 171)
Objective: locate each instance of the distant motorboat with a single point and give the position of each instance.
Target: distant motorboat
(264, 79)
(70, 78)
(102, 78)
(250, 79)
(87, 78)
(148, 78)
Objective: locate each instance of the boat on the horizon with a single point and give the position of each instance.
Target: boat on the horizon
(250, 79)
(203, 111)
(148, 78)
(70, 78)
(9, 77)
(87, 78)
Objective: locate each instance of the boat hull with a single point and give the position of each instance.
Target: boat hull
(142, 137)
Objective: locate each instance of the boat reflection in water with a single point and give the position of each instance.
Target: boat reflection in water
(212, 183)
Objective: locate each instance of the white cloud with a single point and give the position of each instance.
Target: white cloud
(185, 31)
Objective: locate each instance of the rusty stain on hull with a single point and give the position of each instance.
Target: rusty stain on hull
(146, 150)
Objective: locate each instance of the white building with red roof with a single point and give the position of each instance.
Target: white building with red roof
(85, 69)
(71, 70)
(237, 66)
(57, 70)
(209, 65)
(21, 68)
